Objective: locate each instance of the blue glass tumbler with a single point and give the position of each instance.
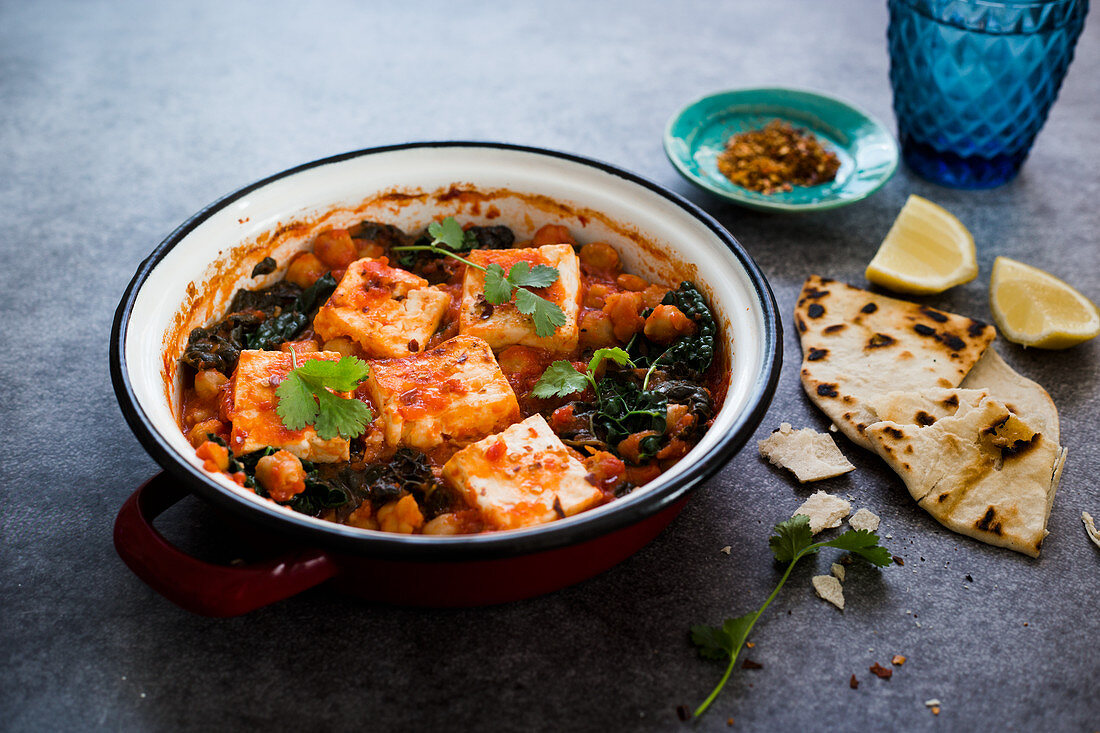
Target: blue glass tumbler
(974, 80)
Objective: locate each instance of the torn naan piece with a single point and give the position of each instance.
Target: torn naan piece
(983, 472)
(808, 454)
(1020, 394)
(857, 345)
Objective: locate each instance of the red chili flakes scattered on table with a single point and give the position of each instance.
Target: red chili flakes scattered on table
(898, 560)
(853, 683)
(749, 664)
(776, 158)
(682, 712)
(898, 660)
(880, 671)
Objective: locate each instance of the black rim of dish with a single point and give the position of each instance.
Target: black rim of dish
(625, 511)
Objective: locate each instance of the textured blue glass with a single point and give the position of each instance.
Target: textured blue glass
(974, 80)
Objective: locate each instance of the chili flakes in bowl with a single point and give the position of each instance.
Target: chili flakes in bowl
(776, 158)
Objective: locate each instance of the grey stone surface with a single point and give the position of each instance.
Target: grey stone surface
(120, 119)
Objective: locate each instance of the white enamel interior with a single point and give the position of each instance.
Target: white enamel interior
(349, 182)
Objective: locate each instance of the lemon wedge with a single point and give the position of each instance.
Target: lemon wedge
(1034, 308)
(927, 250)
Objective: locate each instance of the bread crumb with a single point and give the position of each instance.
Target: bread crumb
(829, 589)
(898, 660)
(825, 511)
(1090, 528)
(808, 454)
(726, 550)
(933, 703)
(864, 519)
(838, 571)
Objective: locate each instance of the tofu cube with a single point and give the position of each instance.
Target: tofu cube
(451, 395)
(387, 311)
(521, 477)
(503, 325)
(257, 425)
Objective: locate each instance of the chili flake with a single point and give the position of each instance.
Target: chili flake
(879, 671)
(777, 158)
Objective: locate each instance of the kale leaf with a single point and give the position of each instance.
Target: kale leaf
(694, 353)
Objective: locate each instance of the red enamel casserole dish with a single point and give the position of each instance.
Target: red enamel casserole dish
(190, 277)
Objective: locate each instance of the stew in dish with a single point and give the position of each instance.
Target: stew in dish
(452, 380)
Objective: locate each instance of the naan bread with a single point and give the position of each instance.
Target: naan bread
(1021, 395)
(857, 345)
(983, 472)
(924, 408)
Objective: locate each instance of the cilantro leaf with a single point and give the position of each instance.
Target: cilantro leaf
(791, 542)
(723, 642)
(615, 354)
(450, 234)
(497, 288)
(296, 407)
(522, 275)
(340, 416)
(341, 376)
(305, 398)
(547, 316)
(863, 543)
(560, 379)
(791, 538)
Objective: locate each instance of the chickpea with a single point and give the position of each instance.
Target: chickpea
(282, 475)
(305, 269)
(363, 517)
(444, 524)
(632, 283)
(600, 256)
(596, 328)
(402, 516)
(653, 295)
(625, 312)
(198, 411)
(335, 249)
(208, 382)
(213, 426)
(552, 234)
(596, 295)
(373, 250)
(341, 345)
(214, 457)
(522, 360)
(667, 323)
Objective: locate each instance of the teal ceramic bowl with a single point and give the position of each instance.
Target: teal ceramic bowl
(699, 132)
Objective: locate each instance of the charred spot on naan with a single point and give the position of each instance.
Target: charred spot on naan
(812, 293)
(934, 314)
(988, 522)
(880, 340)
(835, 328)
(827, 390)
(816, 354)
(816, 310)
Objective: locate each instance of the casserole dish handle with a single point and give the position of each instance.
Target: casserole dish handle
(201, 587)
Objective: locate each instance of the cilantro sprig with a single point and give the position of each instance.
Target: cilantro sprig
(306, 397)
(791, 542)
(562, 378)
(448, 239)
